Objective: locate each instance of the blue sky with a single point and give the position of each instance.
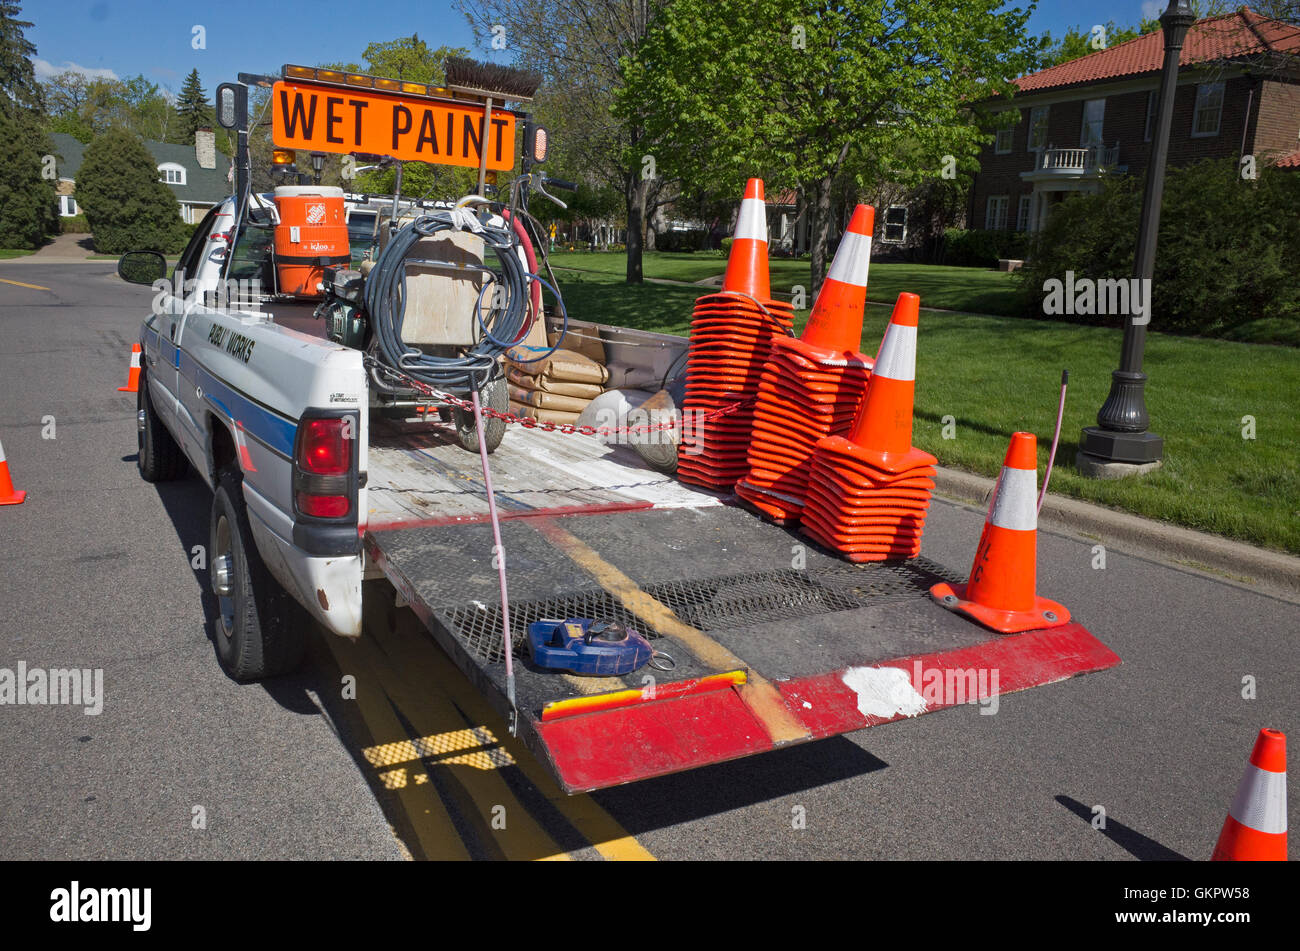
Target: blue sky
(125, 37)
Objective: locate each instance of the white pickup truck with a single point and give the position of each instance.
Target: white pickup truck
(330, 486)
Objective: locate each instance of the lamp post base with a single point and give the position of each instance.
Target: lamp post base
(1095, 467)
(1107, 454)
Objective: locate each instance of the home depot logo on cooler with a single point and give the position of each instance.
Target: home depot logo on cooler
(316, 214)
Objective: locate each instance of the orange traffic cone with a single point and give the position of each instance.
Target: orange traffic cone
(747, 262)
(1001, 593)
(731, 333)
(8, 494)
(836, 319)
(1255, 830)
(868, 493)
(811, 386)
(133, 375)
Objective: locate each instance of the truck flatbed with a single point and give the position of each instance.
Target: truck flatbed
(774, 640)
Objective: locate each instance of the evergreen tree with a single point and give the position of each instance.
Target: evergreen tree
(17, 77)
(126, 205)
(192, 108)
(27, 197)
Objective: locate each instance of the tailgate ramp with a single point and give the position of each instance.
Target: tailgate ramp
(766, 654)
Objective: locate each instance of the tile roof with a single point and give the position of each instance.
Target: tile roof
(1232, 35)
(1290, 160)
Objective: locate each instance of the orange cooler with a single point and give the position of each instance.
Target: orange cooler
(312, 233)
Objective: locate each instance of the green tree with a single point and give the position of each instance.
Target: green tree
(193, 111)
(127, 207)
(583, 48)
(1080, 41)
(27, 198)
(18, 85)
(26, 195)
(797, 92)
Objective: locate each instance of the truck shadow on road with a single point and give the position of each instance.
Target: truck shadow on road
(439, 760)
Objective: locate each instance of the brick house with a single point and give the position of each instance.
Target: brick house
(1238, 94)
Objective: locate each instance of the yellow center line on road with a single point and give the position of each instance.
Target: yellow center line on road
(35, 287)
(503, 820)
(434, 830)
(412, 649)
(759, 695)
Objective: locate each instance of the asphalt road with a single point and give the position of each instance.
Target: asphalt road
(95, 572)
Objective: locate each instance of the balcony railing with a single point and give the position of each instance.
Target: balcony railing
(1078, 161)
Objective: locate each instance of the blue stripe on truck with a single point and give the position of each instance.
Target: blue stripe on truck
(259, 422)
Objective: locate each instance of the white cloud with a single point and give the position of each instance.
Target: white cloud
(45, 69)
(1151, 9)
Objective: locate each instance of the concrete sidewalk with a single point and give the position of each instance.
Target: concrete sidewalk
(64, 249)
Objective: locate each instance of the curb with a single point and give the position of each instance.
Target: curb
(1189, 549)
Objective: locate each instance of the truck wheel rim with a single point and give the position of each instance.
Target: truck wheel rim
(223, 575)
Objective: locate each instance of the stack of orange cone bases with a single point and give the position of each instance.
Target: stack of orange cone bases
(868, 493)
(811, 386)
(731, 334)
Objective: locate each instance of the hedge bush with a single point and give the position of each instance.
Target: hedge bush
(127, 206)
(1227, 257)
(77, 224)
(981, 248)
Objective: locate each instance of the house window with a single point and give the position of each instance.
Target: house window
(1002, 144)
(67, 206)
(1153, 99)
(1022, 213)
(1094, 114)
(1209, 109)
(172, 174)
(895, 224)
(995, 215)
(1038, 127)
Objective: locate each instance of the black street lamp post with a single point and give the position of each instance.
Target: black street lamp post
(1121, 444)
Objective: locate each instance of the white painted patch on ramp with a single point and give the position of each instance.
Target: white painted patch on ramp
(884, 692)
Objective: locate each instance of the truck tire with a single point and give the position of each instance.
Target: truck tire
(259, 629)
(493, 396)
(158, 456)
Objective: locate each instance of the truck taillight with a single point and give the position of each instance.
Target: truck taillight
(324, 459)
(325, 447)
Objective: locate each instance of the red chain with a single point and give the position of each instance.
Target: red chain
(569, 429)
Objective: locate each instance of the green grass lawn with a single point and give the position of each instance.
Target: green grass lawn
(994, 375)
(13, 253)
(950, 288)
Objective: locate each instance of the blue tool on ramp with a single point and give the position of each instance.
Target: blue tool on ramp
(588, 647)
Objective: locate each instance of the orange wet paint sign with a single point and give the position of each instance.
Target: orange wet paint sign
(336, 119)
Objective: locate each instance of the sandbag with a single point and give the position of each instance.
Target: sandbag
(584, 391)
(583, 340)
(542, 400)
(567, 365)
(542, 415)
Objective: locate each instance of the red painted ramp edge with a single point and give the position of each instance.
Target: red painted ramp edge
(656, 737)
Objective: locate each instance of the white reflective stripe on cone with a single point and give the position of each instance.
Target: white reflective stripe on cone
(1015, 500)
(2, 452)
(751, 223)
(852, 260)
(897, 357)
(1260, 802)
(135, 359)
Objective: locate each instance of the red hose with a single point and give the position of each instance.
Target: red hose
(530, 255)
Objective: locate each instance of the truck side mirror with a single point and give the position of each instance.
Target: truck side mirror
(141, 267)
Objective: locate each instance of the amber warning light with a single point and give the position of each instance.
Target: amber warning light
(346, 118)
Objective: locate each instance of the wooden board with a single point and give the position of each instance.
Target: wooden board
(418, 473)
